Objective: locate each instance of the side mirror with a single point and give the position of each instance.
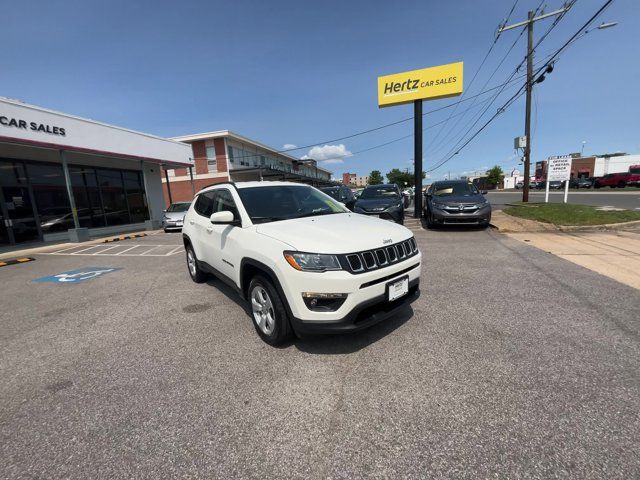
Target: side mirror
(222, 218)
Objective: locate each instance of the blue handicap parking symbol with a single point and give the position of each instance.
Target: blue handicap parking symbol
(76, 276)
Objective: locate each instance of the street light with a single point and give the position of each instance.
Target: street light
(604, 25)
(582, 149)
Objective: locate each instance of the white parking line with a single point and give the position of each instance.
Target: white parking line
(110, 251)
(85, 249)
(126, 250)
(101, 252)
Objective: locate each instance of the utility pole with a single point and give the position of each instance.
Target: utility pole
(531, 19)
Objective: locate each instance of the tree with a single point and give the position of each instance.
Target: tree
(375, 178)
(495, 176)
(402, 179)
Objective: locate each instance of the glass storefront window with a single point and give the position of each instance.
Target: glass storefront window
(50, 193)
(113, 197)
(136, 199)
(87, 197)
(12, 173)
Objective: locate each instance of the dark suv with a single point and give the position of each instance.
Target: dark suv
(384, 201)
(342, 194)
(456, 202)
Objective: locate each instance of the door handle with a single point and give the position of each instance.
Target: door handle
(210, 229)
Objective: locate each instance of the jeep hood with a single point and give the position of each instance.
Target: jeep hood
(336, 233)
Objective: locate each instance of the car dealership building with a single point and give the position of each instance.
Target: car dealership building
(68, 178)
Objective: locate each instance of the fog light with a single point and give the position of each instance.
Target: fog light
(323, 302)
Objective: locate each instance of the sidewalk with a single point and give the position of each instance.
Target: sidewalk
(16, 251)
(613, 254)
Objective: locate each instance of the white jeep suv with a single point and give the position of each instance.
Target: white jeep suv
(304, 261)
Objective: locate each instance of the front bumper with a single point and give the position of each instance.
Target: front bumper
(171, 225)
(396, 215)
(363, 315)
(482, 216)
(361, 289)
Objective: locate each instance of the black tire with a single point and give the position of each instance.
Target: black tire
(429, 218)
(281, 330)
(195, 272)
(165, 230)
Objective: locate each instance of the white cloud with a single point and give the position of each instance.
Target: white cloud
(289, 146)
(328, 153)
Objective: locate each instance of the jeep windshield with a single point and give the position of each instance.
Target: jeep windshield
(284, 202)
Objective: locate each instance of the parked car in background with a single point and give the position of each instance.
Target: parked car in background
(581, 183)
(520, 185)
(174, 216)
(341, 193)
(618, 180)
(456, 202)
(384, 201)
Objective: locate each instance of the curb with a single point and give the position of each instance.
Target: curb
(550, 227)
(124, 237)
(15, 261)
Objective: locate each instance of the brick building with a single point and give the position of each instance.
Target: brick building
(224, 156)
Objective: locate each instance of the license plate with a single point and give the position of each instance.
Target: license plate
(179, 224)
(397, 288)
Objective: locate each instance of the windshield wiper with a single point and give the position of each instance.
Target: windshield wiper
(267, 219)
(317, 213)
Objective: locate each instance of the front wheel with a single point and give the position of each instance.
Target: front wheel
(196, 274)
(270, 317)
(429, 218)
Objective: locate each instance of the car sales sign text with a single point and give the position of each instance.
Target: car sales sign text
(426, 84)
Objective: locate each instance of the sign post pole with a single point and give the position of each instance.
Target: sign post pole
(442, 81)
(417, 157)
(566, 190)
(546, 190)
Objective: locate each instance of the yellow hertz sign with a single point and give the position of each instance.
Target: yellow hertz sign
(429, 83)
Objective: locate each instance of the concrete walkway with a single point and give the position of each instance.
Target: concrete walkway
(613, 254)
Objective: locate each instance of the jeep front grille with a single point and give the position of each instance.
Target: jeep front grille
(369, 260)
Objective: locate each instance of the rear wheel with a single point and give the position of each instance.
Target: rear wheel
(270, 317)
(621, 184)
(197, 275)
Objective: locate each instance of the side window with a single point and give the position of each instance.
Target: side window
(224, 201)
(204, 204)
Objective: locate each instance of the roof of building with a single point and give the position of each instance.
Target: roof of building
(229, 134)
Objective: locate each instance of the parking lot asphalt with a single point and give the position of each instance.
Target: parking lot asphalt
(513, 363)
(618, 198)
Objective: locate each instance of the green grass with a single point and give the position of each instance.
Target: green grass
(569, 214)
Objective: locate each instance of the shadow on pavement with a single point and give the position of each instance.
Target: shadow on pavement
(352, 342)
(331, 344)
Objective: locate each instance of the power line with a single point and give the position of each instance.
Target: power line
(384, 126)
(495, 40)
(520, 91)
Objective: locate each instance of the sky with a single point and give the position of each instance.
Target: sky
(303, 73)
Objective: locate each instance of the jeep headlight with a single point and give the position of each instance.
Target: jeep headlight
(312, 262)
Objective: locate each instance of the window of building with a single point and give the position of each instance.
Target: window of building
(50, 193)
(136, 199)
(113, 197)
(211, 159)
(87, 197)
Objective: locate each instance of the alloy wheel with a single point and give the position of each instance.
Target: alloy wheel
(262, 308)
(191, 262)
